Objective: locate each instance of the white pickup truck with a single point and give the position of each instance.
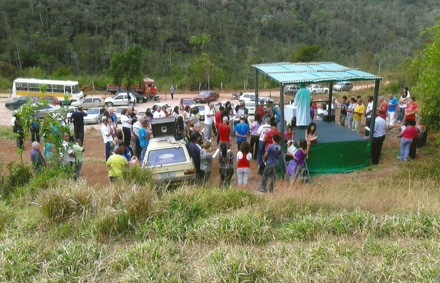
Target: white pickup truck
(120, 100)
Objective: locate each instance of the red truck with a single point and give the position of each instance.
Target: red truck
(147, 88)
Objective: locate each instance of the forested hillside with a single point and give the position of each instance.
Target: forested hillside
(77, 38)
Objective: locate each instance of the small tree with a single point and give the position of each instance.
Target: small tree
(128, 65)
(205, 72)
(428, 83)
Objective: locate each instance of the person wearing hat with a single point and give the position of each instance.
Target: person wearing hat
(77, 119)
(241, 131)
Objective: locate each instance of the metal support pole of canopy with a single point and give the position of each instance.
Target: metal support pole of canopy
(374, 113)
(330, 97)
(256, 91)
(282, 113)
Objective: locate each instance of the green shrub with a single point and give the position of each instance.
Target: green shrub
(6, 133)
(18, 175)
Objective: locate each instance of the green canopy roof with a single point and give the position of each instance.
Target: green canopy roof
(287, 73)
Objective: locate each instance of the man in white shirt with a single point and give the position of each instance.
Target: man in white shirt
(159, 114)
(368, 113)
(378, 138)
(68, 155)
(262, 130)
(107, 137)
(209, 117)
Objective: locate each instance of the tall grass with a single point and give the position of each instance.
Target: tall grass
(376, 227)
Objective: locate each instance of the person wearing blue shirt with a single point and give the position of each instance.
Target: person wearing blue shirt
(35, 128)
(194, 152)
(143, 138)
(392, 104)
(241, 131)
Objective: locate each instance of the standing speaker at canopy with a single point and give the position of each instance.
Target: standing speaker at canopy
(302, 104)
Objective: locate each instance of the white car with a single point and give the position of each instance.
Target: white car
(168, 160)
(247, 96)
(94, 116)
(201, 108)
(89, 102)
(120, 100)
(118, 113)
(314, 89)
(71, 110)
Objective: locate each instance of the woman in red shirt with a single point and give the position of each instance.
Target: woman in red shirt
(408, 135)
(243, 165)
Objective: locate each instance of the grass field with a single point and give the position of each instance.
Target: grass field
(382, 225)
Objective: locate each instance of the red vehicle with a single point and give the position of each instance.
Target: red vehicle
(206, 96)
(147, 88)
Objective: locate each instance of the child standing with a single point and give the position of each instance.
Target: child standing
(408, 135)
(243, 165)
(298, 158)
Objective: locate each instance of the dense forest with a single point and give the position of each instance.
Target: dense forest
(76, 39)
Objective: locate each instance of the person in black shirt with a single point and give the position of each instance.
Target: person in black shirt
(78, 123)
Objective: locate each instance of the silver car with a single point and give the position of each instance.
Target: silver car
(94, 116)
(343, 86)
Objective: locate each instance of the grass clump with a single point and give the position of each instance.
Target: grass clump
(6, 133)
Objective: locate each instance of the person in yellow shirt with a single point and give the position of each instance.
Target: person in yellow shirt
(116, 164)
(357, 115)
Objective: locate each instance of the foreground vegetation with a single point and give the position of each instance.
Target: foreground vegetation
(381, 224)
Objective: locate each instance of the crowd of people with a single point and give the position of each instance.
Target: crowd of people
(257, 139)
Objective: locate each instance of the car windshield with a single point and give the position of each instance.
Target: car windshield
(93, 111)
(204, 93)
(188, 101)
(119, 110)
(201, 108)
(166, 156)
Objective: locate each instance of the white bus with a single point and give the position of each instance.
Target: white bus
(32, 87)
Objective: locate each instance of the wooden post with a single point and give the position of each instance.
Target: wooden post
(374, 114)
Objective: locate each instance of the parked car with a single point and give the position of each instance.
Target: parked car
(222, 103)
(291, 89)
(120, 99)
(186, 101)
(17, 103)
(50, 99)
(314, 89)
(42, 110)
(250, 105)
(94, 116)
(343, 86)
(169, 161)
(206, 96)
(118, 113)
(139, 97)
(247, 96)
(140, 114)
(201, 108)
(89, 102)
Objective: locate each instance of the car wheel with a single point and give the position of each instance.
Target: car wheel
(11, 107)
(314, 92)
(157, 98)
(109, 104)
(326, 91)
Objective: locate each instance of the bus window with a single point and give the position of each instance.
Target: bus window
(21, 86)
(75, 89)
(34, 87)
(58, 89)
(68, 89)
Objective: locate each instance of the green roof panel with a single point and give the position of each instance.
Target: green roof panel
(286, 72)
